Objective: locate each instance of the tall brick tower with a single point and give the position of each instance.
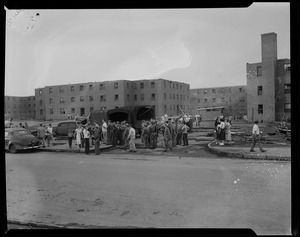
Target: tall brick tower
(269, 60)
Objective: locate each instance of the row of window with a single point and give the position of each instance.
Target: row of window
(287, 67)
(214, 100)
(174, 107)
(287, 108)
(222, 90)
(20, 106)
(22, 99)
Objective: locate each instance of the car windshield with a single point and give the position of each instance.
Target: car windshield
(21, 132)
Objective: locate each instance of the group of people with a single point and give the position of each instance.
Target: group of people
(111, 133)
(175, 132)
(222, 130)
(45, 134)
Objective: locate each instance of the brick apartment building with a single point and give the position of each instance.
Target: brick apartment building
(268, 84)
(57, 102)
(19, 107)
(233, 98)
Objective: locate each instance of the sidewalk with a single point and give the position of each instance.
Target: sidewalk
(273, 151)
(62, 146)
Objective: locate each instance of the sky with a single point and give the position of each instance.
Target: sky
(201, 47)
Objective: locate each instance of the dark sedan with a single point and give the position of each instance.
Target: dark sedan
(20, 139)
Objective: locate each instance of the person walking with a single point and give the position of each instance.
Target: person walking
(167, 136)
(131, 138)
(97, 136)
(104, 131)
(70, 137)
(50, 135)
(185, 128)
(86, 136)
(256, 138)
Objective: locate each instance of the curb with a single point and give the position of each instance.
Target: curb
(74, 150)
(244, 156)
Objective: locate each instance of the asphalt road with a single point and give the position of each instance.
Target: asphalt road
(135, 190)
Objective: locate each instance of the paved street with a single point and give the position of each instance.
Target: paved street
(119, 189)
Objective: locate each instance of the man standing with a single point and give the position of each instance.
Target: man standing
(50, 134)
(256, 137)
(167, 137)
(125, 135)
(41, 134)
(104, 131)
(110, 128)
(97, 136)
(152, 134)
(185, 129)
(131, 138)
(86, 136)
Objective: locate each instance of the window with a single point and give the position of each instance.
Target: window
(180, 97)
(165, 84)
(152, 96)
(177, 86)
(173, 96)
(180, 86)
(205, 91)
(142, 85)
(260, 109)
(61, 89)
(205, 100)
(173, 85)
(50, 90)
(50, 101)
(41, 102)
(259, 71)
(91, 109)
(116, 97)
(72, 88)
(135, 97)
(103, 108)
(259, 90)
(142, 97)
(91, 98)
(102, 98)
(241, 89)
(81, 98)
(242, 99)
(128, 98)
(287, 107)
(41, 112)
(222, 90)
(199, 100)
(40, 92)
(165, 96)
(72, 99)
(127, 85)
(102, 86)
(116, 107)
(62, 100)
(152, 84)
(213, 90)
(81, 87)
(90, 87)
(173, 107)
(177, 97)
(223, 99)
(287, 88)
(214, 100)
(134, 86)
(165, 108)
(116, 85)
(62, 111)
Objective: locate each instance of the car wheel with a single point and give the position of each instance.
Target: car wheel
(12, 148)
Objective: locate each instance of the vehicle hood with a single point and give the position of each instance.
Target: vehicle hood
(25, 139)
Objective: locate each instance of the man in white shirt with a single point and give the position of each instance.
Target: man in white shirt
(131, 138)
(86, 136)
(256, 137)
(104, 131)
(50, 134)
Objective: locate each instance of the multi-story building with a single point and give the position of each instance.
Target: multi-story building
(268, 84)
(17, 107)
(61, 101)
(232, 98)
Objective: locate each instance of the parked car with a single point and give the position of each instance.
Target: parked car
(20, 139)
(62, 128)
